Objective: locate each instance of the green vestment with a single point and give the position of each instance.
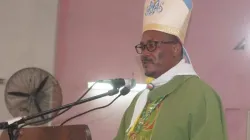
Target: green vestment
(191, 111)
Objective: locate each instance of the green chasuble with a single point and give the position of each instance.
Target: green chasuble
(189, 110)
(143, 128)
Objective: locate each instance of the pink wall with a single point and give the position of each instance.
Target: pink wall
(96, 39)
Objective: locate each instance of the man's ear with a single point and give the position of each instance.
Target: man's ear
(176, 49)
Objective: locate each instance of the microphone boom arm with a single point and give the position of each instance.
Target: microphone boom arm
(109, 93)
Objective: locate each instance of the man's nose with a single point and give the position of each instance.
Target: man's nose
(145, 52)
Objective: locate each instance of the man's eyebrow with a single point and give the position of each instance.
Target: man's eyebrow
(149, 40)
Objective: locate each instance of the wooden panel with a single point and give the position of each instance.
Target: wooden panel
(71, 132)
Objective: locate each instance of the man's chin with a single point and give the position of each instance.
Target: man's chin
(149, 74)
(149, 71)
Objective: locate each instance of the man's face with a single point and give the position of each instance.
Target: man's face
(166, 53)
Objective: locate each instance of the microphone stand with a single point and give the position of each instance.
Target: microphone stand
(14, 126)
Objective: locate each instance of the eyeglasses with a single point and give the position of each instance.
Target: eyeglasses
(151, 46)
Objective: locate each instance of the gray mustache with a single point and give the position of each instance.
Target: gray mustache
(146, 59)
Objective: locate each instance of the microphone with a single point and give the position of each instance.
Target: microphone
(118, 82)
(126, 89)
(129, 84)
(4, 125)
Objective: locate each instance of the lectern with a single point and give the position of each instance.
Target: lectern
(68, 132)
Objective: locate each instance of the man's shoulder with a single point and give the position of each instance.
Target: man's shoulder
(195, 82)
(199, 87)
(198, 92)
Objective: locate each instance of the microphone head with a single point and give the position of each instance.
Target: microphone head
(128, 86)
(124, 91)
(130, 83)
(117, 83)
(120, 82)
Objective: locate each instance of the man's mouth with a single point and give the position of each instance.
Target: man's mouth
(145, 63)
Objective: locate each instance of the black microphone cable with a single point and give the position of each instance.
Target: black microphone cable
(78, 115)
(123, 92)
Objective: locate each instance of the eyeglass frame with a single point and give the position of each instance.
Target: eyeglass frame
(156, 45)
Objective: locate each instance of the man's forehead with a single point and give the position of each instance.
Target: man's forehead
(156, 36)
